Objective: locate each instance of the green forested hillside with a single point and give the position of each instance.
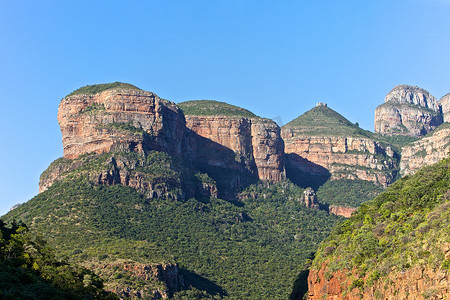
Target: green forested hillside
(248, 248)
(347, 192)
(407, 225)
(30, 270)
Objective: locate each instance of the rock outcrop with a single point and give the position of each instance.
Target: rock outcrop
(343, 149)
(426, 151)
(155, 281)
(119, 119)
(310, 198)
(341, 210)
(407, 110)
(444, 103)
(414, 283)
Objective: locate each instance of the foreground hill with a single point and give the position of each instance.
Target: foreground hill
(30, 270)
(395, 246)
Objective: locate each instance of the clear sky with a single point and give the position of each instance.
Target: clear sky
(275, 58)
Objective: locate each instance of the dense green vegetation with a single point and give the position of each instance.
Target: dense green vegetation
(249, 248)
(98, 88)
(323, 120)
(347, 192)
(213, 108)
(30, 270)
(407, 225)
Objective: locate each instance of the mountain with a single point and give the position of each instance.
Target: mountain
(156, 209)
(408, 110)
(256, 141)
(395, 247)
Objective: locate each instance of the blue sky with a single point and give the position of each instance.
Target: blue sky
(275, 58)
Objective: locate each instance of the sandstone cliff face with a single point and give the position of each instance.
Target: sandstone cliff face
(341, 211)
(95, 123)
(414, 283)
(256, 144)
(444, 102)
(426, 151)
(407, 111)
(345, 157)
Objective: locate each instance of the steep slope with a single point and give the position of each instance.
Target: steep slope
(409, 111)
(428, 150)
(98, 118)
(396, 246)
(30, 270)
(444, 102)
(137, 198)
(330, 143)
(222, 248)
(256, 141)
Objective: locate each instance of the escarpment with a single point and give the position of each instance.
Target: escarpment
(119, 119)
(407, 110)
(426, 151)
(233, 145)
(324, 138)
(256, 142)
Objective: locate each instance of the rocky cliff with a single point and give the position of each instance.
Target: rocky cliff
(232, 144)
(414, 283)
(426, 151)
(325, 138)
(407, 110)
(255, 142)
(444, 103)
(119, 118)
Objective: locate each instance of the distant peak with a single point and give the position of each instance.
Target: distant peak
(98, 88)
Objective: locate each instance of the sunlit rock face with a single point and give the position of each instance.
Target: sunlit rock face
(115, 119)
(407, 110)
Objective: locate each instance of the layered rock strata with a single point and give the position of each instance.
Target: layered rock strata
(414, 283)
(256, 143)
(345, 157)
(100, 123)
(408, 111)
(426, 151)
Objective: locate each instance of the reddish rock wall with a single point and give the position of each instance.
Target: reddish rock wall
(256, 142)
(414, 283)
(344, 157)
(89, 123)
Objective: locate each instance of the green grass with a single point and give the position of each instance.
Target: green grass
(214, 108)
(98, 88)
(323, 120)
